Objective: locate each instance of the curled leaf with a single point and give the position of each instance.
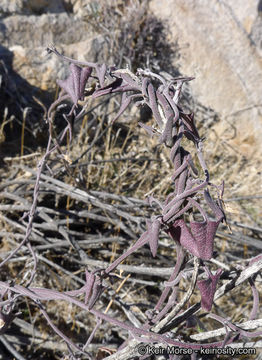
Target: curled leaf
(207, 289)
(90, 279)
(153, 235)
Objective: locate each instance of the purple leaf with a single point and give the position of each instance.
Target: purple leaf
(168, 111)
(190, 128)
(204, 234)
(255, 293)
(101, 72)
(166, 136)
(153, 105)
(96, 292)
(90, 279)
(199, 241)
(68, 86)
(74, 85)
(128, 80)
(126, 100)
(180, 169)
(84, 76)
(207, 289)
(115, 85)
(153, 235)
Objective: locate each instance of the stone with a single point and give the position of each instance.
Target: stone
(27, 36)
(220, 47)
(8, 7)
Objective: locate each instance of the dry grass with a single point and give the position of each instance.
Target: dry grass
(146, 170)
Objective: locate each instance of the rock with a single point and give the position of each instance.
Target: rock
(28, 7)
(220, 46)
(8, 7)
(27, 36)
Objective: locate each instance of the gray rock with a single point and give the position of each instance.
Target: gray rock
(8, 7)
(16, 7)
(34, 31)
(27, 36)
(220, 46)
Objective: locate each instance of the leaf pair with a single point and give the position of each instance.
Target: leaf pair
(75, 83)
(198, 238)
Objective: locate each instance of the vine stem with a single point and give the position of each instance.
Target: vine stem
(157, 328)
